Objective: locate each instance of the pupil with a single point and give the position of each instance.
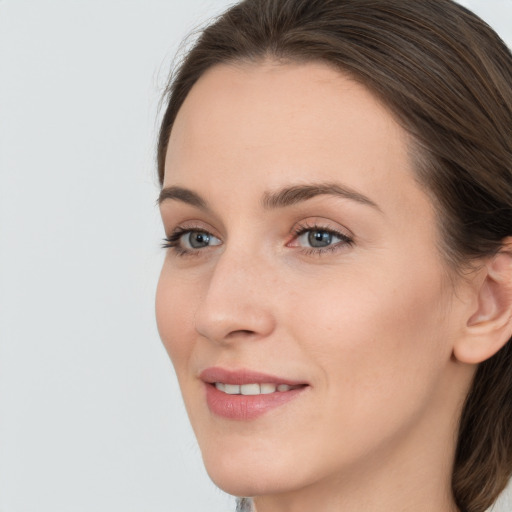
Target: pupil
(198, 240)
(319, 238)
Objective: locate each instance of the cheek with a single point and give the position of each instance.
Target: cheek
(175, 315)
(378, 341)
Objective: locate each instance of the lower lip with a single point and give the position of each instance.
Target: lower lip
(246, 407)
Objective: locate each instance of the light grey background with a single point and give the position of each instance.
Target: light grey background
(91, 418)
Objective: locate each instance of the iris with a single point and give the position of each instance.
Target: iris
(319, 238)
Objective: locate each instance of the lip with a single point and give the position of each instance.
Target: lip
(244, 376)
(246, 407)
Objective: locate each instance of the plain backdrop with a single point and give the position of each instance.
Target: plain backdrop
(91, 418)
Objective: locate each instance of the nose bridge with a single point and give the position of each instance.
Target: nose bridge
(237, 299)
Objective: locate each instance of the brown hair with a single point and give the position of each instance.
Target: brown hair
(447, 77)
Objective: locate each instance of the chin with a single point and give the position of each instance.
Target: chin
(244, 484)
(250, 472)
(247, 482)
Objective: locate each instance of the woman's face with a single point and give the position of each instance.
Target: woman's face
(303, 253)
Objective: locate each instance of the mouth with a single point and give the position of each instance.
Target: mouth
(254, 388)
(246, 395)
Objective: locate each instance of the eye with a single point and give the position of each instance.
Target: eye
(319, 239)
(186, 241)
(197, 240)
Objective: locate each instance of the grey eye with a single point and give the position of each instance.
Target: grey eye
(198, 240)
(319, 238)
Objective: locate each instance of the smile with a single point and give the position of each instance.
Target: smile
(244, 395)
(253, 389)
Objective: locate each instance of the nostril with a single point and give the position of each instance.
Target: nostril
(243, 332)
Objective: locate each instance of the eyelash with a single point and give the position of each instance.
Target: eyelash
(173, 240)
(301, 229)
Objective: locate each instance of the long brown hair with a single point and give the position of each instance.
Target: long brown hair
(447, 77)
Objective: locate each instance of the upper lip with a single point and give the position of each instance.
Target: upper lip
(243, 376)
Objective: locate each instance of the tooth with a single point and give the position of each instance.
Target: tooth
(267, 388)
(232, 389)
(250, 389)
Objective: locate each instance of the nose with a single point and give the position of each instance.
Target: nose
(237, 302)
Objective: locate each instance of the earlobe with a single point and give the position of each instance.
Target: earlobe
(489, 327)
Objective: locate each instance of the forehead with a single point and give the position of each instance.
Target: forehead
(264, 125)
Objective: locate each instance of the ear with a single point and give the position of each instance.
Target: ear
(489, 327)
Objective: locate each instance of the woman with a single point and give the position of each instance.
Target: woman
(337, 292)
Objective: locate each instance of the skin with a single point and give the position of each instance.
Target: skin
(370, 325)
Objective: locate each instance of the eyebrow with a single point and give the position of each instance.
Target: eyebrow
(272, 200)
(184, 195)
(298, 193)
